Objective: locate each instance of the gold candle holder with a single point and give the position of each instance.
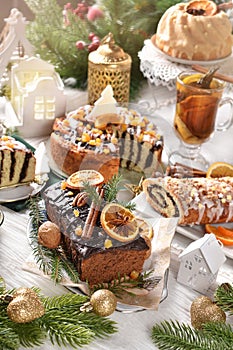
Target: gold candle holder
(109, 65)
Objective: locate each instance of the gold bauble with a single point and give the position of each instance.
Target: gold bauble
(203, 310)
(25, 306)
(109, 65)
(103, 302)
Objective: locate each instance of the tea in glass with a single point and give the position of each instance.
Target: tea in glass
(196, 107)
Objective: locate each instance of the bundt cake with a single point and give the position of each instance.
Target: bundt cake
(196, 30)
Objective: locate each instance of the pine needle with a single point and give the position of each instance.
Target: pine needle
(112, 188)
(63, 323)
(224, 297)
(175, 336)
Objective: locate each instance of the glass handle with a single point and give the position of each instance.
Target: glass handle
(224, 125)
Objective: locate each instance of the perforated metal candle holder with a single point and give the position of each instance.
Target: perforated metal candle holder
(109, 64)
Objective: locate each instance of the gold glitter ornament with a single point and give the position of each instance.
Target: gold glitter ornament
(203, 310)
(109, 65)
(25, 306)
(103, 302)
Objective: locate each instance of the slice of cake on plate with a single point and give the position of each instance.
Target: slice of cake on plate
(17, 162)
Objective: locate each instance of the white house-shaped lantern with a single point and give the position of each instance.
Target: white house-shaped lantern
(13, 38)
(37, 96)
(200, 262)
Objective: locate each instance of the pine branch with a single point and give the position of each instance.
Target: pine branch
(63, 322)
(220, 332)
(66, 324)
(29, 334)
(52, 262)
(9, 340)
(224, 297)
(112, 188)
(175, 336)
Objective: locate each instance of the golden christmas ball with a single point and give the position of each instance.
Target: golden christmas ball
(25, 306)
(103, 302)
(203, 310)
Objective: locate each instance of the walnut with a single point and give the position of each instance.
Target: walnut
(80, 199)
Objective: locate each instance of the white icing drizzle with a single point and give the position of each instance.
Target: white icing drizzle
(213, 197)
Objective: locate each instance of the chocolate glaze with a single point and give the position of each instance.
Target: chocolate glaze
(59, 208)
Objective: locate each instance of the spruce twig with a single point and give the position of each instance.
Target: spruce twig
(63, 323)
(224, 297)
(52, 262)
(111, 188)
(172, 335)
(179, 336)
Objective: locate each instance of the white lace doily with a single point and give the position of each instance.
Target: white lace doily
(161, 71)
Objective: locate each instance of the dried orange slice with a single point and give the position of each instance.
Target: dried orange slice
(202, 8)
(77, 180)
(222, 233)
(220, 169)
(145, 228)
(119, 223)
(109, 118)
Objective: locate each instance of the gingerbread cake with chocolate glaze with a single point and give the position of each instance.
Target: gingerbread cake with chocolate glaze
(97, 257)
(125, 139)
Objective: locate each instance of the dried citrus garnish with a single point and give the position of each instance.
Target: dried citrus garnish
(119, 223)
(220, 169)
(223, 234)
(201, 8)
(109, 118)
(145, 228)
(77, 179)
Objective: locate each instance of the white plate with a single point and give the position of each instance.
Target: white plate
(197, 231)
(53, 166)
(187, 62)
(16, 193)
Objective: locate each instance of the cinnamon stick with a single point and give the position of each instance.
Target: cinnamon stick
(201, 69)
(180, 170)
(91, 217)
(94, 216)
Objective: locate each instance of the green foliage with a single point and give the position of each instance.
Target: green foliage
(130, 22)
(224, 297)
(112, 188)
(52, 262)
(172, 335)
(63, 323)
(179, 336)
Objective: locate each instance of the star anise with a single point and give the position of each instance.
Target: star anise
(122, 224)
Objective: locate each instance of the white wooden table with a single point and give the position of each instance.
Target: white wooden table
(134, 329)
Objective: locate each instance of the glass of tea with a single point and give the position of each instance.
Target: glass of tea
(199, 97)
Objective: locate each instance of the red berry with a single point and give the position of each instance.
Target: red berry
(80, 44)
(93, 47)
(95, 39)
(91, 36)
